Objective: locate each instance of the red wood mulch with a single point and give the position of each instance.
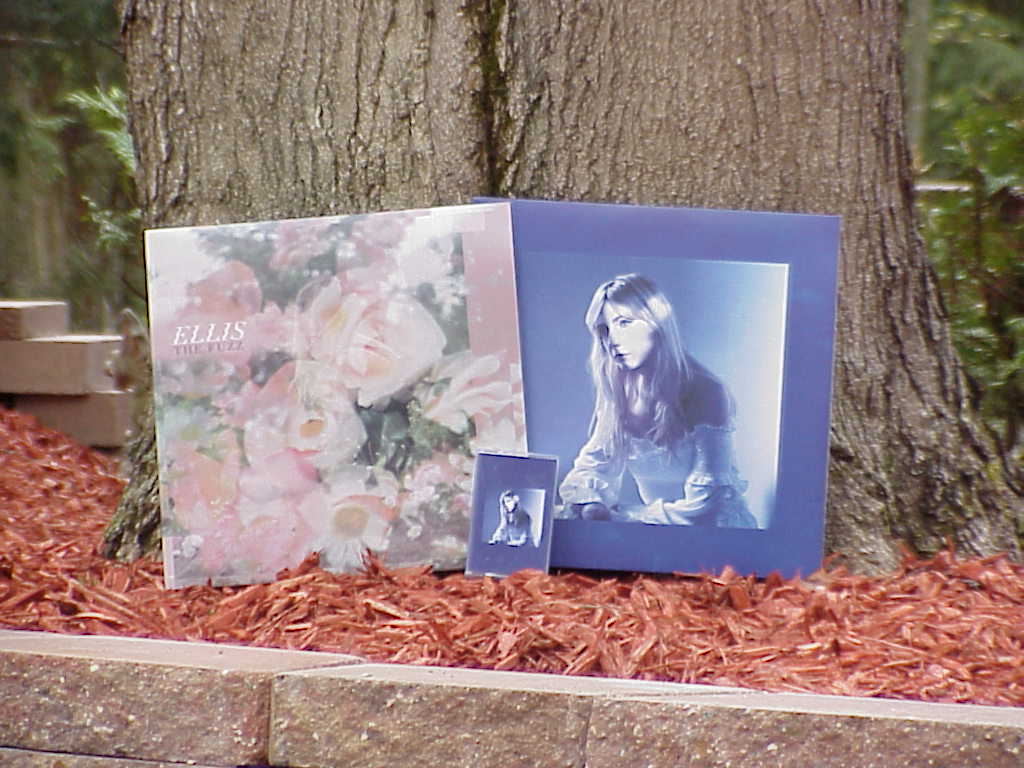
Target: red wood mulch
(943, 629)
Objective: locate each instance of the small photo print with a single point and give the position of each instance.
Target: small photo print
(511, 522)
(517, 518)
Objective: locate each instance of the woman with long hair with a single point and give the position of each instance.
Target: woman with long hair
(658, 414)
(514, 522)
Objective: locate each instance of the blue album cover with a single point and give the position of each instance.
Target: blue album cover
(678, 363)
(512, 515)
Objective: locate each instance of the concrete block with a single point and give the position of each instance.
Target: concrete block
(142, 699)
(23, 758)
(24, 319)
(795, 731)
(82, 702)
(393, 715)
(101, 419)
(396, 715)
(75, 364)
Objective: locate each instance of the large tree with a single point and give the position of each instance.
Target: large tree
(246, 110)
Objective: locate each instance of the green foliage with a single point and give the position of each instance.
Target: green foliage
(106, 114)
(109, 267)
(115, 227)
(42, 148)
(974, 222)
(976, 59)
(71, 228)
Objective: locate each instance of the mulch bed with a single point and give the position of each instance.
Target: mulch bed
(944, 629)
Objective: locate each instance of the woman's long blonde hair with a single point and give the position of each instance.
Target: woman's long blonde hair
(665, 376)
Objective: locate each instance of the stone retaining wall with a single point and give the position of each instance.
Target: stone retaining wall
(86, 702)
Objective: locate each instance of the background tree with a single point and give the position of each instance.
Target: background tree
(69, 229)
(972, 200)
(244, 110)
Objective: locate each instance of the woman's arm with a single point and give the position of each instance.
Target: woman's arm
(595, 477)
(713, 491)
(500, 532)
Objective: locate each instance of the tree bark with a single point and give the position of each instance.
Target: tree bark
(252, 110)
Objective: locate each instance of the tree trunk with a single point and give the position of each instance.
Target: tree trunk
(252, 110)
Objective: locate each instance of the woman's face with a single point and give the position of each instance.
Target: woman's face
(630, 338)
(508, 503)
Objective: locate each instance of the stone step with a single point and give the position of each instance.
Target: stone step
(99, 419)
(220, 705)
(71, 364)
(27, 319)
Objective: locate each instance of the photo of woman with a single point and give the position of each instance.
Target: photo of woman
(515, 523)
(677, 362)
(659, 416)
(513, 513)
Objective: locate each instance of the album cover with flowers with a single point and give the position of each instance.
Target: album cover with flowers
(323, 385)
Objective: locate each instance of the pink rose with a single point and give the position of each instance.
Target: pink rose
(203, 486)
(270, 329)
(238, 408)
(474, 389)
(286, 473)
(378, 344)
(230, 293)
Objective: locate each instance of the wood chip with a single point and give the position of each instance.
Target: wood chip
(942, 629)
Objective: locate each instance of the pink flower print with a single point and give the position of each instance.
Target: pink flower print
(230, 293)
(317, 325)
(218, 545)
(264, 434)
(442, 471)
(298, 241)
(374, 237)
(377, 279)
(348, 519)
(391, 344)
(270, 329)
(278, 539)
(202, 484)
(330, 433)
(286, 473)
(199, 377)
(473, 390)
(459, 505)
(379, 345)
(274, 533)
(212, 318)
(425, 253)
(500, 434)
(463, 466)
(240, 407)
(431, 473)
